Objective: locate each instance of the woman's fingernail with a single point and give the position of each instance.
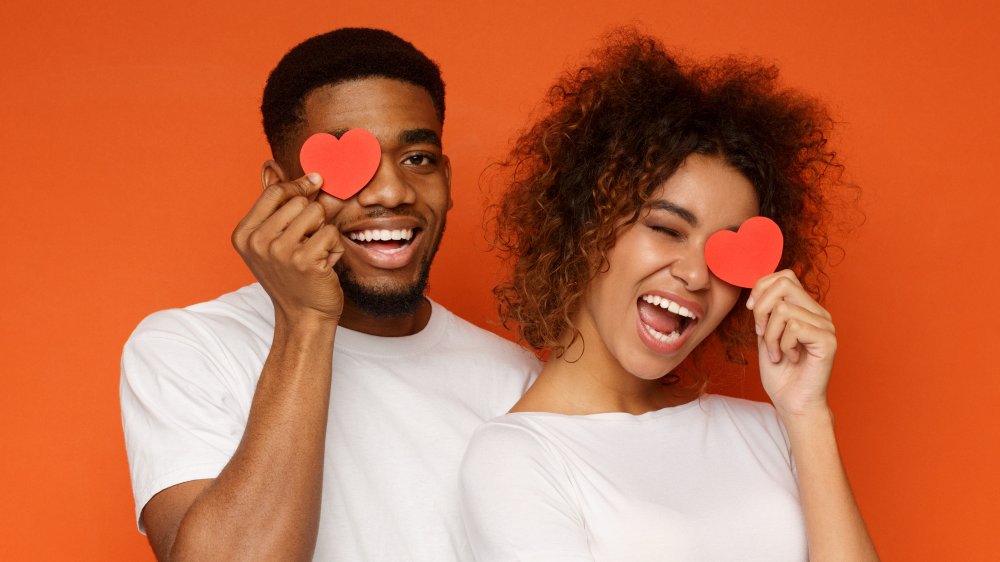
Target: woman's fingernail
(759, 329)
(750, 302)
(773, 355)
(314, 178)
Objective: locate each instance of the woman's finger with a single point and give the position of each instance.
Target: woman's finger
(782, 315)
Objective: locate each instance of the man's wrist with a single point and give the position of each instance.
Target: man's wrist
(305, 327)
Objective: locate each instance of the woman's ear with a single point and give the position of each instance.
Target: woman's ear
(271, 173)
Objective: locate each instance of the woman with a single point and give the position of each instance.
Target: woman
(615, 453)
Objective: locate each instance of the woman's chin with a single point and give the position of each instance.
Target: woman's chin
(652, 370)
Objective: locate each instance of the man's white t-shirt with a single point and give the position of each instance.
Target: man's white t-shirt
(401, 414)
(711, 480)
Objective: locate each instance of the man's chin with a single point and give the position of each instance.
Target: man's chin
(382, 297)
(384, 302)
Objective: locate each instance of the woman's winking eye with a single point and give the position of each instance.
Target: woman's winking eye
(667, 230)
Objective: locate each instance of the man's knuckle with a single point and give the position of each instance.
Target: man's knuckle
(275, 249)
(275, 191)
(238, 238)
(254, 240)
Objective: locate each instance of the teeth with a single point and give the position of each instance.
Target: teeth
(660, 336)
(369, 235)
(670, 305)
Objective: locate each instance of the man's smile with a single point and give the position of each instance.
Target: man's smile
(389, 245)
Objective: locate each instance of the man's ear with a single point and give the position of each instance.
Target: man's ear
(271, 173)
(447, 179)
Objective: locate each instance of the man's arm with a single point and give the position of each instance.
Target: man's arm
(265, 503)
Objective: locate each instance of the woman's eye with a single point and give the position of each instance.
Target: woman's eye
(668, 231)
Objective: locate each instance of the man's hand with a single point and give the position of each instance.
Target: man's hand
(291, 250)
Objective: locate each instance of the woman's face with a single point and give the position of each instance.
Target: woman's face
(658, 300)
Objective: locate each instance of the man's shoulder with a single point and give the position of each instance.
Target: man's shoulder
(243, 313)
(465, 334)
(216, 346)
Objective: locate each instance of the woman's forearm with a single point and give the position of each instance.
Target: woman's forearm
(834, 526)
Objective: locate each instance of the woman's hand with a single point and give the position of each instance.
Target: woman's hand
(796, 344)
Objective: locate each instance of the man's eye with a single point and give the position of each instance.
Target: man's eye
(420, 160)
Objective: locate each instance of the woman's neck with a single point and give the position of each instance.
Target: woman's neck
(587, 379)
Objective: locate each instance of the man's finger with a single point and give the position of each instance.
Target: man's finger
(261, 238)
(308, 221)
(273, 197)
(324, 245)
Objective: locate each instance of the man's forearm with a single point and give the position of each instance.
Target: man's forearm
(265, 503)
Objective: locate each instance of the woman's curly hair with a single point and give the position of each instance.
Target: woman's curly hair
(613, 132)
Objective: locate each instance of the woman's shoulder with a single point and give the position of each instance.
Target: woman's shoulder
(509, 451)
(516, 442)
(510, 433)
(745, 415)
(739, 406)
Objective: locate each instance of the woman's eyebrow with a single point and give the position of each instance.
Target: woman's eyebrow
(681, 212)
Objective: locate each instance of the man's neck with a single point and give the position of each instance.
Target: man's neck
(356, 319)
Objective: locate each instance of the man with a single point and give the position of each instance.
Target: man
(322, 412)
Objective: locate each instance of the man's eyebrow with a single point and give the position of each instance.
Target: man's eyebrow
(681, 212)
(420, 136)
(409, 136)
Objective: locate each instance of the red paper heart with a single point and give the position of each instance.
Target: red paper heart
(742, 258)
(346, 165)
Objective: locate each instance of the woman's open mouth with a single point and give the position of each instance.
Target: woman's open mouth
(663, 323)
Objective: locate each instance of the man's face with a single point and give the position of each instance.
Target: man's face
(391, 228)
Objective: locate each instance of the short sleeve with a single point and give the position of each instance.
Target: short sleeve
(517, 500)
(180, 421)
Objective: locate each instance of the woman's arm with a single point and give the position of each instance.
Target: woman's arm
(834, 525)
(797, 343)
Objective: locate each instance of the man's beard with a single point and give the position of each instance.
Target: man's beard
(388, 302)
(384, 302)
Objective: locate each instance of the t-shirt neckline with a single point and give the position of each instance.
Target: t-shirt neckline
(367, 344)
(620, 416)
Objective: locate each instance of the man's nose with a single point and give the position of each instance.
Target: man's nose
(388, 188)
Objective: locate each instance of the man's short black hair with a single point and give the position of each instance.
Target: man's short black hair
(339, 56)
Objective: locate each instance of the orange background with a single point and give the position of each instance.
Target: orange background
(131, 145)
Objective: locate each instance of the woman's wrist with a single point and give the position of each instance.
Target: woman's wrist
(815, 417)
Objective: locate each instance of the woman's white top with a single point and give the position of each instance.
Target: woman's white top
(710, 480)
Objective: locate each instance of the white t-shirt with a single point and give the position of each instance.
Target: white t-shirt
(401, 414)
(710, 480)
